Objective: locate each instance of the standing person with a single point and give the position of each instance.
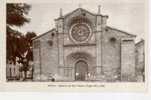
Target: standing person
(25, 68)
(21, 70)
(13, 70)
(30, 69)
(8, 69)
(17, 69)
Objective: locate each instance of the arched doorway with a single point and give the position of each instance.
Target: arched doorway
(81, 70)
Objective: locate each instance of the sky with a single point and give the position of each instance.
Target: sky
(126, 15)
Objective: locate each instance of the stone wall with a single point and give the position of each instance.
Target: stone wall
(79, 13)
(74, 53)
(111, 54)
(46, 57)
(106, 54)
(128, 60)
(140, 61)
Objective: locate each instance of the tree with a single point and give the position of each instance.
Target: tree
(17, 43)
(16, 16)
(29, 36)
(29, 53)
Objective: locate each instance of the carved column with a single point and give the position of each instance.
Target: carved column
(60, 29)
(100, 29)
(98, 46)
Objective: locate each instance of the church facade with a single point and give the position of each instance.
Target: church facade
(82, 47)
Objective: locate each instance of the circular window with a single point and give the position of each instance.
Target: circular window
(113, 40)
(80, 32)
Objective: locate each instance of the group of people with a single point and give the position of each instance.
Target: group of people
(19, 69)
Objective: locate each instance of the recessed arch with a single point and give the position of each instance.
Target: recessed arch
(81, 70)
(75, 56)
(86, 59)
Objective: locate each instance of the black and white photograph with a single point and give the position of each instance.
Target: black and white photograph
(76, 42)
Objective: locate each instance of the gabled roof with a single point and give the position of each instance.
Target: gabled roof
(82, 10)
(44, 34)
(141, 41)
(121, 31)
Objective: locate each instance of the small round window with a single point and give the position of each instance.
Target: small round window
(112, 39)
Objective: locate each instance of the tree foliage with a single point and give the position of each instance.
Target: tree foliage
(29, 36)
(16, 14)
(17, 43)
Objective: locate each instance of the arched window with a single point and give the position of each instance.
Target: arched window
(50, 42)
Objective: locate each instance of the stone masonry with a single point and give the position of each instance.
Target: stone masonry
(107, 55)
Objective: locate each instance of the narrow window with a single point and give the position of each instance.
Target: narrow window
(113, 40)
(50, 42)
